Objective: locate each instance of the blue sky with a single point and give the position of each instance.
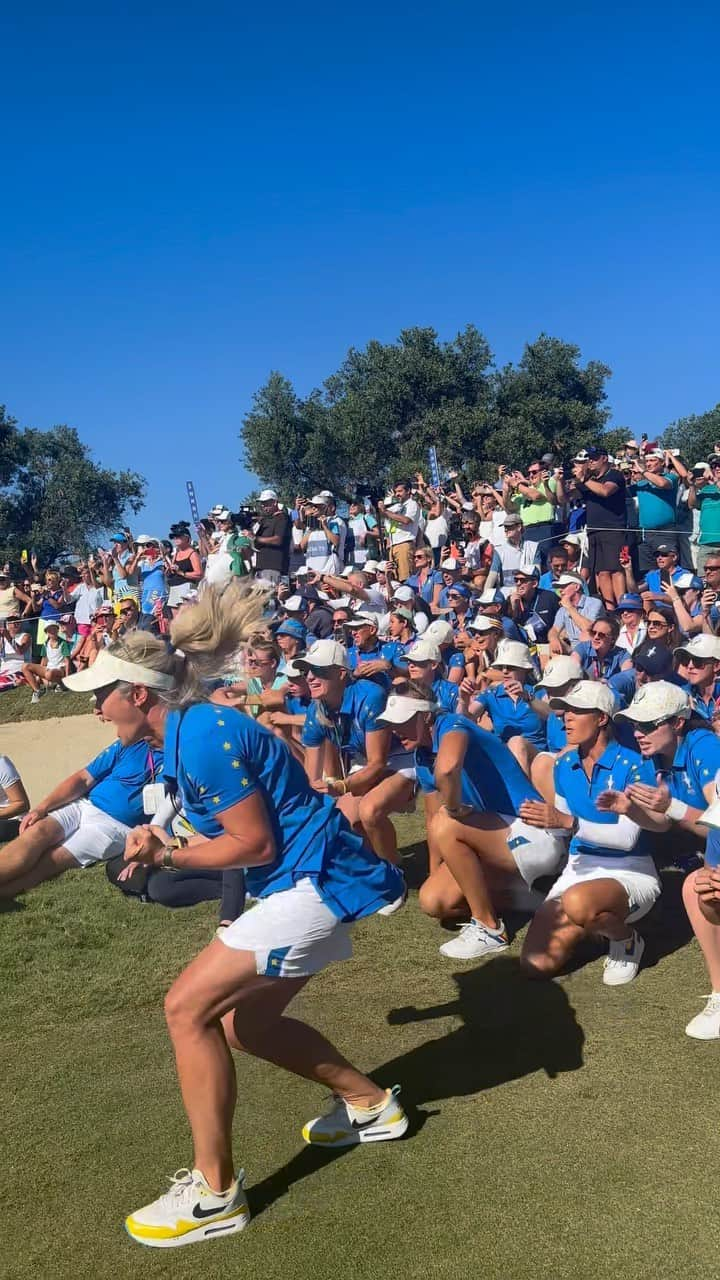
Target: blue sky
(195, 195)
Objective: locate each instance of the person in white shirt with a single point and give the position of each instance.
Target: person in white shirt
(515, 553)
(402, 519)
(87, 598)
(324, 542)
(15, 649)
(364, 530)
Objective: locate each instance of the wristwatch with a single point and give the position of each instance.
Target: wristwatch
(177, 842)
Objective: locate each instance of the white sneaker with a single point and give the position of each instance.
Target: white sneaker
(706, 1024)
(391, 907)
(346, 1126)
(474, 941)
(623, 960)
(190, 1212)
(36, 696)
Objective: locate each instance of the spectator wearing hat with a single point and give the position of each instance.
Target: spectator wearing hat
(560, 676)
(316, 612)
(441, 633)
(290, 637)
(667, 570)
(505, 709)
(402, 521)
(575, 615)
(100, 636)
(401, 635)
(368, 659)
(288, 721)
(699, 667)
(704, 496)
(516, 552)
(358, 584)
(602, 489)
(485, 634)
(15, 649)
(424, 663)
(323, 537)
(115, 572)
(684, 595)
(348, 754)
(632, 626)
(147, 562)
(272, 538)
(655, 485)
(610, 880)
(574, 544)
(458, 612)
(531, 607)
(183, 567)
(53, 666)
(451, 573)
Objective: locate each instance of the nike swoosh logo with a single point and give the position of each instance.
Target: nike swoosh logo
(363, 1124)
(209, 1213)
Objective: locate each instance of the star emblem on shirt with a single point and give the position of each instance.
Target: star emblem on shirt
(244, 781)
(221, 723)
(216, 799)
(236, 764)
(202, 790)
(227, 746)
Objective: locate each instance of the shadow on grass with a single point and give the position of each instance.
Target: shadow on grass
(667, 928)
(511, 1028)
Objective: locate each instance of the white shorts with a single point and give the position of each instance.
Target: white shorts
(402, 762)
(537, 852)
(637, 876)
(292, 933)
(89, 834)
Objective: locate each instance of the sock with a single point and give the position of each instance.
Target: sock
(364, 1113)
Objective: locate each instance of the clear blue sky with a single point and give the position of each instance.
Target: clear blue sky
(195, 194)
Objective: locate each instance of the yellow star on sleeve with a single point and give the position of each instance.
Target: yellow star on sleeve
(244, 781)
(216, 799)
(202, 790)
(236, 764)
(227, 746)
(221, 723)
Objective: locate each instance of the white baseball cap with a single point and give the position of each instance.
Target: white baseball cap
(268, 495)
(143, 540)
(403, 593)
(423, 651)
(657, 701)
(362, 619)
(324, 653)
(574, 539)
(294, 604)
(560, 671)
(569, 580)
(400, 709)
(451, 563)
(108, 669)
(292, 672)
(382, 566)
(371, 566)
(439, 631)
(512, 653)
(588, 695)
(701, 646)
(319, 500)
(483, 623)
(340, 602)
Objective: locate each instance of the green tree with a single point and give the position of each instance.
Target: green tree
(56, 498)
(695, 435)
(275, 436)
(546, 403)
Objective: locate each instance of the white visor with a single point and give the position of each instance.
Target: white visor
(399, 709)
(107, 669)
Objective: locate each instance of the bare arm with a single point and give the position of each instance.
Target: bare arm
(448, 769)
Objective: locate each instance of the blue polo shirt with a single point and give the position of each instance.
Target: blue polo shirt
(616, 769)
(296, 706)
(456, 659)
(657, 508)
(362, 703)
(695, 763)
(600, 668)
(554, 725)
(119, 774)
(704, 707)
(511, 718)
(652, 579)
(356, 656)
(427, 590)
(217, 757)
(445, 694)
(395, 651)
(492, 780)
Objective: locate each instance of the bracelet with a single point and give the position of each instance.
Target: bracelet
(676, 810)
(167, 859)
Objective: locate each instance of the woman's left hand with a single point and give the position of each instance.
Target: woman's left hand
(613, 802)
(142, 845)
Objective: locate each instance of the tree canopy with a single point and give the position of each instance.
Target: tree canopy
(694, 435)
(375, 418)
(54, 497)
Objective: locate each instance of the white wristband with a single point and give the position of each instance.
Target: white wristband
(676, 810)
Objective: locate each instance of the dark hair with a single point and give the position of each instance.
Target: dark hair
(612, 622)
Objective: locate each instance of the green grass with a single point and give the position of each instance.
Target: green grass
(15, 705)
(560, 1131)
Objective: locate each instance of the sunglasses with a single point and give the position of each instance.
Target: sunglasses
(698, 662)
(259, 662)
(712, 568)
(658, 622)
(127, 610)
(320, 673)
(649, 726)
(601, 635)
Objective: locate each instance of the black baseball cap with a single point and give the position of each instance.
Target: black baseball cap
(597, 451)
(653, 659)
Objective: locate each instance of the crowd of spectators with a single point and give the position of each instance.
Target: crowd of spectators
(538, 657)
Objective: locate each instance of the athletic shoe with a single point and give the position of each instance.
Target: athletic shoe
(476, 940)
(391, 907)
(623, 960)
(36, 696)
(346, 1126)
(190, 1212)
(706, 1024)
